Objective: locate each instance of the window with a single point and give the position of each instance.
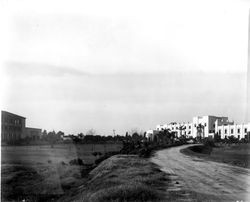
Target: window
(232, 131)
(238, 130)
(238, 136)
(225, 131)
(220, 132)
(245, 130)
(189, 132)
(189, 127)
(213, 125)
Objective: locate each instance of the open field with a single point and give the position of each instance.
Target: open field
(237, 154)
(122, 178)
(41, 173)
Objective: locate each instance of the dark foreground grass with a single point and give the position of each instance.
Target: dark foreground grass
(235, 154)
(122, 178)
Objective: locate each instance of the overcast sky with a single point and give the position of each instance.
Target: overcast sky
(121, 65)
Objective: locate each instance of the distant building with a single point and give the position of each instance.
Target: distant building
(225, 130)
(207, 126)
(204, 126)
(13, 128)
(32, 133)
(151, 134)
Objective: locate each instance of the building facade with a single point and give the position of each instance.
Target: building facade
(151, 134)
(207, 126)
(13, 128)
(225, 130)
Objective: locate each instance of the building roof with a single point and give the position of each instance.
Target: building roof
(5, 112)
(29, 128)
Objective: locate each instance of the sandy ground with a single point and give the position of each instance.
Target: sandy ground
(215, 181)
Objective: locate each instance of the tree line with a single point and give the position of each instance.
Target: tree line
(91, 137)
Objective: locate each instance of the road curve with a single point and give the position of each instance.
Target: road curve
(219, 181)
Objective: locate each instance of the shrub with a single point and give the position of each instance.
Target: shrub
(63, 163)
(95, 154)
(146, 152)
(106, 156)
(85, 171)
(77, 161)
(209, 143)
(102, 158)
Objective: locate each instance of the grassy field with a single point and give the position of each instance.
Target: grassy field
(122, 178)
(235, 154)
(42, 173)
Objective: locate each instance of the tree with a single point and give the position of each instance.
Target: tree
(60, 134)
(44, 135)
(165, 136)
(200, 131)
(182, 128)
(80, 136)
(217, 137)
(91, 132)
(135, 137)
(52, 138)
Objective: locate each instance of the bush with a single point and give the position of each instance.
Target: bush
(106, 156)
(209, 143)
(77, 161)
(146, 152)
(85, 171)
(63, 163)
(201, 149)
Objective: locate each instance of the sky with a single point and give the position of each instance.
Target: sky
(122, 65)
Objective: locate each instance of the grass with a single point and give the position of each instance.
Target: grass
(42, 173)
(61, 152)
(235, 154)
(123, 178)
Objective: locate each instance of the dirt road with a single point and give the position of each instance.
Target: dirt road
(199, 180)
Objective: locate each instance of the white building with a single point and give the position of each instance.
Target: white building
(230, 129)
(207, 126)
(150, 134)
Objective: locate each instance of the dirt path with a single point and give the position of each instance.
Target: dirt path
(203, 180)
